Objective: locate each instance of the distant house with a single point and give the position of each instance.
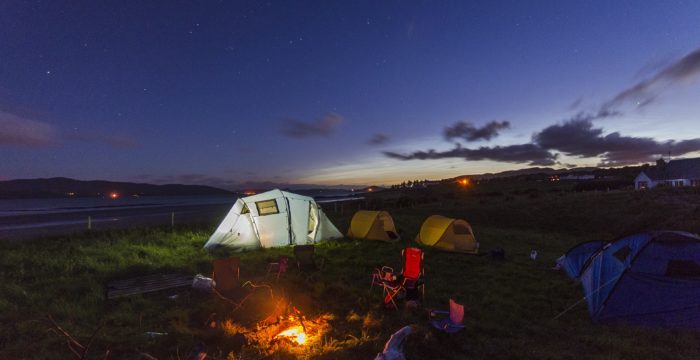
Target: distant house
(683, 172)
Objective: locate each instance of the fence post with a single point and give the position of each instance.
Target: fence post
(89, 222)
(172, 220)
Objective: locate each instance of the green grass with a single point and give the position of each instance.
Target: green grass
(509, 304)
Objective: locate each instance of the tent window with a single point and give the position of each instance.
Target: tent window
(267, 207)
(623, 253)
(245, 209)
(682, 269)
(460, 229)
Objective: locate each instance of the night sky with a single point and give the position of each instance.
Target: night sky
(348, 92)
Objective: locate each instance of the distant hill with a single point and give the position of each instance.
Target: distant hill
(65, 187)
(625, 171)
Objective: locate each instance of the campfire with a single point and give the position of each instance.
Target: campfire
(295, 334)
(292, 334)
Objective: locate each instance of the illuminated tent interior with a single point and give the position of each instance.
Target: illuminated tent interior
(448, 234)
(271, 219)
(373, 225)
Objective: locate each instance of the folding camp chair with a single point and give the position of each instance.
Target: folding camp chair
(410, 279)
(451, 324)
(279, 267)
(226, 275)
(304, 255)
(380, 275)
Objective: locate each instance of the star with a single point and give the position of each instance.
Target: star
(48, 72)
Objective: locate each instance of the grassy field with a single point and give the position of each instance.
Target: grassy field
(509, 304)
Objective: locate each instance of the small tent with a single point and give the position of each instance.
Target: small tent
(271, 219)
(448, 234)
(650, 279)
(372, 225)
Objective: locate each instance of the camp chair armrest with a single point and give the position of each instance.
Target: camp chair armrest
(434, 313)
(439, 312)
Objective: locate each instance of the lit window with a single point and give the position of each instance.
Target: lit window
(267, 207)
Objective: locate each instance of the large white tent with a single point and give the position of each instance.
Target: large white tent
(273, 218)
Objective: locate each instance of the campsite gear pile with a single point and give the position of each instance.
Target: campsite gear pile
(202, 283)
(651, 278)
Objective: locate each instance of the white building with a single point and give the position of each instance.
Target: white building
(683, 172)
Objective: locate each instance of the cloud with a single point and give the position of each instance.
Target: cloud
(577, 136)
(581, 139)
(378, 139)
(15, 130)
(576, 103)
(467, 131)
(324, 126)
(646, 91)
(522, 153)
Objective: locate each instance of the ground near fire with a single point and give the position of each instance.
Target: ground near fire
(52, 290)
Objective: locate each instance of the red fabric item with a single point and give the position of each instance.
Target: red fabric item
(456, 313)
(412, 263)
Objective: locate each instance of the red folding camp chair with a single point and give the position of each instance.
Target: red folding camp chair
(411, 277)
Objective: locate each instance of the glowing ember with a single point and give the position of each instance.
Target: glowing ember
(295, 334)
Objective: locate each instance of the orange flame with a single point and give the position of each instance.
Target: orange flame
(295, 334)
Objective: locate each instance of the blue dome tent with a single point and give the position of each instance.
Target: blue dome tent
(577, 257)
(648, 279)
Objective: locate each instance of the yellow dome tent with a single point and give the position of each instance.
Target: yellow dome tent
(372, 225)
(448, 234)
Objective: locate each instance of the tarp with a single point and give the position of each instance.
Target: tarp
(372, 225)
(448, 234)
(270, 219)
